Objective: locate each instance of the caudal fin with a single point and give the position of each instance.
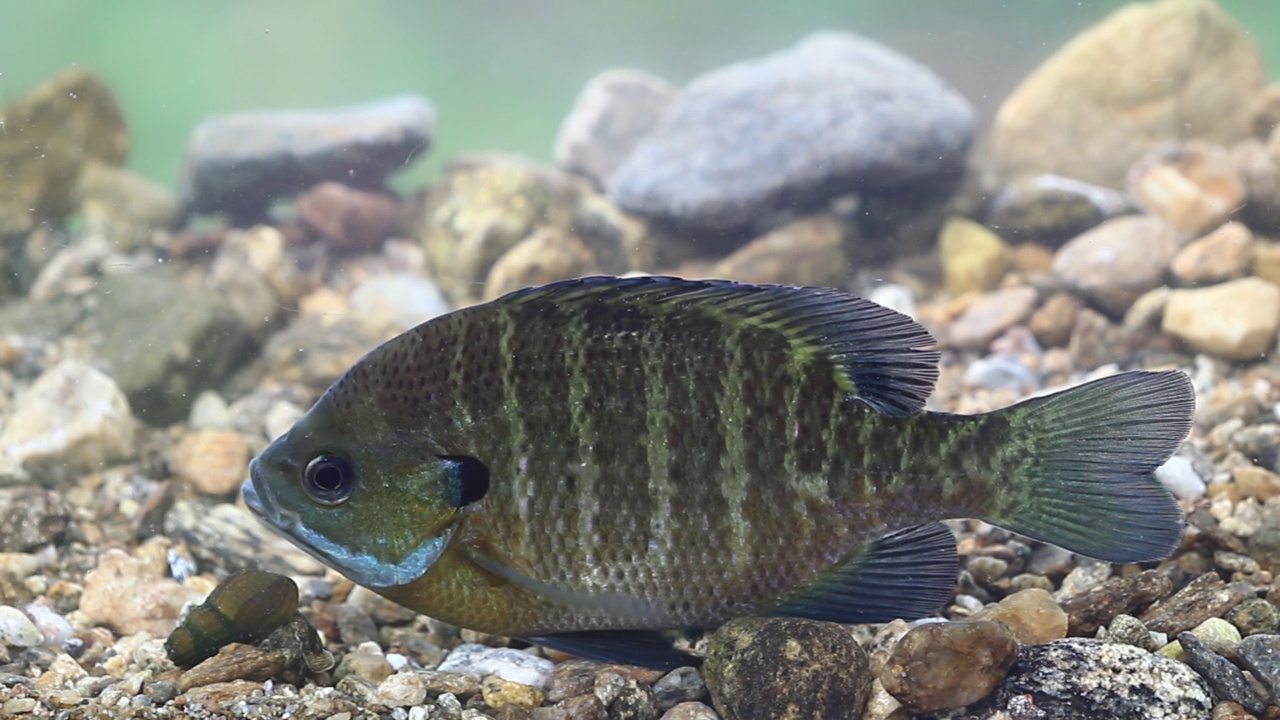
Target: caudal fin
(1082, 475)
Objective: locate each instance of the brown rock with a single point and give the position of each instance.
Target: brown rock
(1194, 187)
(545, 256)
(807, 251)
(974, 258)
(350, 220)
(786, 667)
(211, 461)
(1053, 322)
(990, 315)
(1205, 597)
(1093, 608)
(1223, 254)
(1227, 710)
(1092, 109)
(234, 662)
(500, 693)
(50, 132)
(1031, 615)
(937, 666)
(1256, 482)
(1032, 258)
(124, 594)
(1117, 261)
(1236, 320)
(1266, 261)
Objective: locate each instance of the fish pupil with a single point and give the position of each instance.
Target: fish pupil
(471, 478)
(329, 479)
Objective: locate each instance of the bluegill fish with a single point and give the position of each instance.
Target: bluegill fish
(586, 463)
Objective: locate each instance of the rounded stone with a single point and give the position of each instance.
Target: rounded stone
(937, 666)
(1117, 261)
(1236, 320)
(786, 667)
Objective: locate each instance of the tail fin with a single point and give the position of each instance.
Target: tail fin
(1085, 482)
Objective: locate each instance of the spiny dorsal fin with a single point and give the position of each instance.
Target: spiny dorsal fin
(882, 355)
(908, 574)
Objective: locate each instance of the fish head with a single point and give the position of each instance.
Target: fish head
(376, 505)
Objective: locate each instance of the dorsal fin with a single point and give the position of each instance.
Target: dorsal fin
(883, 356)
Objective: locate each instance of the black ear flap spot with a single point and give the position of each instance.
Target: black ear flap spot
(470, 478)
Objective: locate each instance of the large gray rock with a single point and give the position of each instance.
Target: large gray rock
(163, 339)
(1148, 74)
(241, 163)
(767, 137)
(615, 110)
(1085, 678)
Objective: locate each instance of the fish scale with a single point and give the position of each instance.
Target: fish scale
(588, 462)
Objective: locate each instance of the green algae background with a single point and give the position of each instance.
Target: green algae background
(502, 73)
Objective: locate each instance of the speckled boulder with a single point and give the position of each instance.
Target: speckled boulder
(786, 668)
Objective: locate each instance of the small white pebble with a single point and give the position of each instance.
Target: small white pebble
(1221, 508)
(57, 631)
(1181, 478)
(17, 630)
(396, 660)
(895, 297)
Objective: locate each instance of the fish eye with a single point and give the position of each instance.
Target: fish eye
(471, 478)
(329, 479)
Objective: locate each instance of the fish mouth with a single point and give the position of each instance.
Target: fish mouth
(257, 500)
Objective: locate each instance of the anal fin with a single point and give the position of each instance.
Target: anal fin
(649, 648)
(907, 574)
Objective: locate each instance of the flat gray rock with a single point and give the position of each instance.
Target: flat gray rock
(761, 138)
(241, 163)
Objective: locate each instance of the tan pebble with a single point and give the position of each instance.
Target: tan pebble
(217, 693)
(121, 594)
(545, 256)
(1224, 254)
(324, 301)
(350, 220)
(1195, 186)
(1117, 261)
(500, 693)
(1266, 261)
(1032, 258)
(1053, 322)
(937, 666)
(1236, 320)
(973, 257)
(211, 461)
(1031, 614)
(234, 662)
(990, 315)
(807, 251)
(695, 711)
(401, 690)
(1227, 710)
(1256, 482)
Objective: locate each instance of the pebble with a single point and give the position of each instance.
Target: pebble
(123, 207)
(31, 517)
(990, 315)
(612, 113)
(781, 667)
(1051, 209)
(234, 662)
(355, 626)
(480, 662)
(1226, 680)
(974, 259)
(501, 693)
(844, 113)
(72, 118)
(1205, 597)
(635, 701)
(808, 251)
(209, 412)
(1256, 482)
(1031, 615)
(240, 163)
(350, 220)
(680, 685)
(1194, 186)
(401, 690)
(937, 666)
(1083, 678)
(895, 297)
(213, 462)
(1117, 261)
(1216, 634)
(228, 538)
(1227, 710)
(71, 421)
(1002, 371)
(1054, 320)
(56, 629)
(547, 255)
(373, 667)
(1180, 477)
(690, 711)
(1235, 562)
(1092, 608)
(1130, 630)
(1236, 320)
(1260, 654)
(1254, 616)
(402, 300)
(17, 630)
(1224, 254)
(1083, 114)
(126, 595)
